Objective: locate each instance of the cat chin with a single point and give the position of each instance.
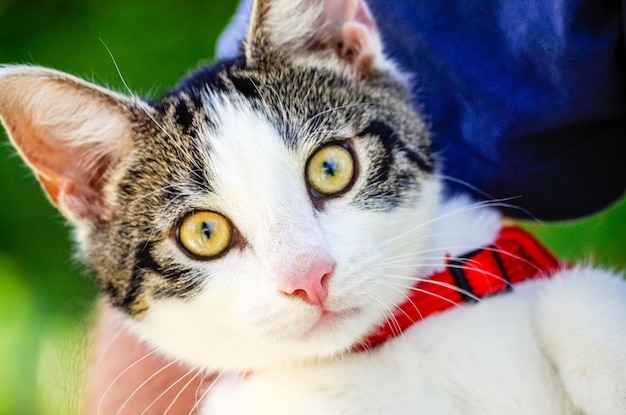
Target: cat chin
(250, 339)
(233, 349)
(287, 332)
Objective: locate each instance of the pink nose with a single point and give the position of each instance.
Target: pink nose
(310, 286)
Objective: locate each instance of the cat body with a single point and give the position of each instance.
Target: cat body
(448, 366)
(266, 215)
(534, 351)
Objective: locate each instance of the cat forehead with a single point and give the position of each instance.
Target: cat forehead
(254, 154)
(290, 93)
(255, 174)
(224, 116)
(227, 121)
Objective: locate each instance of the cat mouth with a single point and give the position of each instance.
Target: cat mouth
(329, 322)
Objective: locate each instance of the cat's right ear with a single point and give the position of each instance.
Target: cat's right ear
(344, 29)
(70, 132)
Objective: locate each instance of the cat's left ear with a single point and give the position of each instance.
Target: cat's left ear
(72, 134)
(299, 28)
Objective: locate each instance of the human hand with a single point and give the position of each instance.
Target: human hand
(127, 377)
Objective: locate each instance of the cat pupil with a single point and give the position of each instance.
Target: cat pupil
(330, 168)
(207, 230)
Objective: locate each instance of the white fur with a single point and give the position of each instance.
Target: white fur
(344, 28)
(241, 304)
(554, 346)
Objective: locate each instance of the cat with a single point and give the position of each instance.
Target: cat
(278, 219)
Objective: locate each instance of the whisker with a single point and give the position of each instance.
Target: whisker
(422, 225)
(337, 108)
(452, 302)
(511, 255)
(450, 286)
(195, 407)
(468, 185)
(388, 311)
(141, 103)
(107, 346)
(117, 68)
(486, 195)
(170, 388)
(180, 392)
(417, 256)
(146, 195)
(117, 378)
(197, 394)
(420, 238)
(397, 288)
(469, 208)
(162, 214)
(457, 266)
(144, 383)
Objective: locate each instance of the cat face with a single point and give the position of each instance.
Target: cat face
(252, 164)
(269, 209)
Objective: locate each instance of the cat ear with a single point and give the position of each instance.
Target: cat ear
(344, 28)
(70, 132)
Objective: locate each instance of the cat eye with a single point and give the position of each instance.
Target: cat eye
(330, 170)
(205, 234)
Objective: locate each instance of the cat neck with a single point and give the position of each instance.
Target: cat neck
(489, 269)
(462, 225)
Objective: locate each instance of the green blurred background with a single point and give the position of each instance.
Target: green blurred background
(45, 301)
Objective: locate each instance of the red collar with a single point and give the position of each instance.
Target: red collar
(514, 257)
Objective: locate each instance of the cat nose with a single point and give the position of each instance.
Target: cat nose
(310, 286)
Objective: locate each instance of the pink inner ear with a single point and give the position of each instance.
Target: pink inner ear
(360, 40)
(75, 199)
(297, 28)
(69, 131)
(76, 193)
(61, 168)
(357, 47)
(357, 11)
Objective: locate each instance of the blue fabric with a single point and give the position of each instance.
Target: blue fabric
(525, 98)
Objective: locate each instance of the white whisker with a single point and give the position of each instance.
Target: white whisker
(195, 407)
(388, 311)
(170, 388)
(516, 257)
(106, 348)
(452, 302)
(397, 288)
(139, 102)
(469, 208)
(144, 383)
(118, 377)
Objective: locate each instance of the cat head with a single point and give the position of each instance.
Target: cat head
(270, 208)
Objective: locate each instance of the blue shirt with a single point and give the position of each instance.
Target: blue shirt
(525, 98)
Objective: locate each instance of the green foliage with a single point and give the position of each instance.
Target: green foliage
(18, 334)
(599, 239)
(154, 42)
